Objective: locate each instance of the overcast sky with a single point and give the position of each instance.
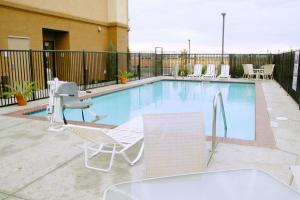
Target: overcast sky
(250, 26)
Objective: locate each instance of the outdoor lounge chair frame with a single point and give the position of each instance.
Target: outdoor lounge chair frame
(210, 71)
(116, 142)
(225, 71)
(197, 71)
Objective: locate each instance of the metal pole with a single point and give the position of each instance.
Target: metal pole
(189, 53)
(189, 46)
(223, 14)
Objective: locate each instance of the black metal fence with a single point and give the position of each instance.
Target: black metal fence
(286, 73)
(96, 69)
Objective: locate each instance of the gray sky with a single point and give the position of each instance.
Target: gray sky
(251, 26)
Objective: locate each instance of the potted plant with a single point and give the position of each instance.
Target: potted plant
(22, 91)
(183, 72)
(124, 75)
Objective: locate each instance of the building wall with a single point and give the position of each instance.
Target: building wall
(87, 25)
(88, 9)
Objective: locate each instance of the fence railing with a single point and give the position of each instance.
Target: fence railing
(96, 69)
(286, 73)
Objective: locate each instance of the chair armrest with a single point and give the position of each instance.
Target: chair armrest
(85, 92)
(65, 95)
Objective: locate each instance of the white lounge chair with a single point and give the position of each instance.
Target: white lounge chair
(108, 141)
(251, 73)
(224, 71)
(246, 73)
(175, 143)
(210, 71)
(197, 71)
(268, 71)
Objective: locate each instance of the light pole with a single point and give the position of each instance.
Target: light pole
(223, 14)
(189, 51)
(189, 46)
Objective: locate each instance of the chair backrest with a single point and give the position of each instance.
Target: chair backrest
(245, 68)
(70, 89)
(174, 143)
(175, 70)
(250, 68)
(198, 69)
(211, 69)
(268, 69)
(225, 69)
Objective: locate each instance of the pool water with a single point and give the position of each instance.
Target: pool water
(179, 96)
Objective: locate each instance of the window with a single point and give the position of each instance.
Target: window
(18, 43)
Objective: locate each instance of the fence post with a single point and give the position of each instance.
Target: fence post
(31, 71)
(162, 65)
(117, 67)
(139, 66)
(84, 70)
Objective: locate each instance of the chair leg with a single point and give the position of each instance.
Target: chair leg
(64, 117)
(87, 157)
(137, 158)
(82, 114)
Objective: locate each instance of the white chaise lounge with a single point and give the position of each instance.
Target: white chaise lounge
(210, 71)
(225, 70)
(108, 141)
(197, 71)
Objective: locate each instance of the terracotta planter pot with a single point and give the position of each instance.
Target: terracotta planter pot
(123, 80)
(21, 100)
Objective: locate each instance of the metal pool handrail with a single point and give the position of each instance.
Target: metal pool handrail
(217, 96)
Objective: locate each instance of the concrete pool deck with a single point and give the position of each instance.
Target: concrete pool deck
(37, 164)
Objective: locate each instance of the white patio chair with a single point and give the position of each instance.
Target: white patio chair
(224, 71)
(268, 71)
(175, 143)
(197, 71)
(108, 141)
(210, 71)
(246, 73)
(251, 73)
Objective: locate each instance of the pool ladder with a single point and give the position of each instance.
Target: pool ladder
(214, 141)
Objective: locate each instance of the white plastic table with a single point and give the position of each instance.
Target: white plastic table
(227, 185)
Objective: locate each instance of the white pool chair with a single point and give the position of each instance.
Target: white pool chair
(69, 98)
(268, 71)
(251, 73)
(108, 141)
(197, 71)
(224, 71)
(248, 71)
(245, 68)
(210, 71)
(175, 143)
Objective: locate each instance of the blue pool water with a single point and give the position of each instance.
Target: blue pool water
(179, 96)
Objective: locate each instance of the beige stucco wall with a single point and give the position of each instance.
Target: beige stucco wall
(118, 11)
(84, 34)
(89, 9)
(98, 10)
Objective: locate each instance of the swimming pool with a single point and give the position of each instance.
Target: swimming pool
(179, 96)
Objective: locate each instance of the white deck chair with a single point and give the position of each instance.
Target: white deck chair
(268, 71)
(251, 73)
(210, 71)
(224, 71)
(175, 143)
(108, 141)
(246, 73)
(197, 71)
